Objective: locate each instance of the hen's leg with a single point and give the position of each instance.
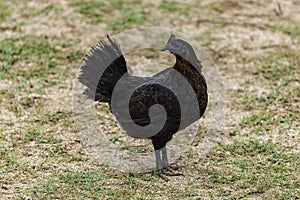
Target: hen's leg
(159, 165)
(158, 160)
(165, 162)
(166, 165)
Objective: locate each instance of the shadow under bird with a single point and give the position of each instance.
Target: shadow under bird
(183, 103)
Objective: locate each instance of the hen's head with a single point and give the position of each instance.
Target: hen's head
(182, 49)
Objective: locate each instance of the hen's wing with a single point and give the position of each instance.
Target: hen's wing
(167, 89)
(148, 95)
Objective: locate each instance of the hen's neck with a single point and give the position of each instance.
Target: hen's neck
(187, 69)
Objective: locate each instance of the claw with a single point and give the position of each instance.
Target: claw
(172, 172)
(168, 171)
(163, 167)
(174, 166)
(162, 174)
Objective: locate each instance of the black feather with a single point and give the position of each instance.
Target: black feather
(105, 65)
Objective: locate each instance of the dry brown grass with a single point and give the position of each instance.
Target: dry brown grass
(254, 44)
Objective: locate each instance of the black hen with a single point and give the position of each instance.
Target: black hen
(106, 66)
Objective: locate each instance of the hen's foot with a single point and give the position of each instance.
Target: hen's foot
(174, 166)
(162, 174)
(168, 171)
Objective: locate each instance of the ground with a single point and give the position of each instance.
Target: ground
(255, 46)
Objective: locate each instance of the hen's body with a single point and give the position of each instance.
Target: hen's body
(106, 65)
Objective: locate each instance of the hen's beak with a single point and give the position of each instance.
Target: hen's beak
(168, 45)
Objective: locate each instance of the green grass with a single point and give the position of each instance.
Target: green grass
(205, 38)
(51, 9)
(219, 8)
(262, 122)
(121, 14)
(7, 93)
(126, 13)
(289, 30)
(33, 135)
(30, 58)
(224, 6)
(277, 75)
(54, 118)
(278, 68)
(255, 167)
(90, 184)
(30, 50)
(37, 11)
(92, 9)
(13, 144)
(5, 10)
(34, 64)
(176, 7)
(85, 184)
(240, 169)
(99, 184)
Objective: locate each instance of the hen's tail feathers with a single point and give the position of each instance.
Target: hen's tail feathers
(102, 69)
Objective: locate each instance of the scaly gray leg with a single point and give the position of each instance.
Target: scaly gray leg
(158, 160)
(165, 162)
(159, 165)
(166, 168)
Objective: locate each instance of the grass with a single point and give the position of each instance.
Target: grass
(289, 30)
(263, 122)
(44, 57)
(279, 67)
(222, 7)
(219, 8)
(30, 50)
(205, 38)
(96, 184)
(92, 9)
(127, 13)
(41, 156)
(274, 167)
(5, 11)
(277, 74)
(257, 166)
(176, 7)
(85, 184)
(36, 135)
